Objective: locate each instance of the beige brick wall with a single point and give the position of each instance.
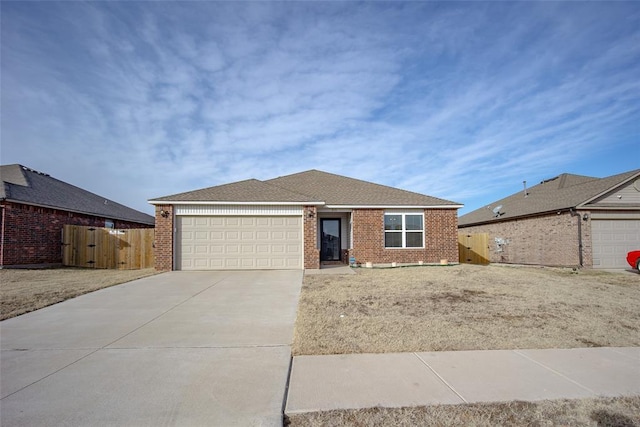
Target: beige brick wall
(441, 240)
(163, 244)
(543, 240)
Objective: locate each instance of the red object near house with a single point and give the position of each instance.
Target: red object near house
(633, 258)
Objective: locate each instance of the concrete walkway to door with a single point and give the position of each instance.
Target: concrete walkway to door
(180, 348)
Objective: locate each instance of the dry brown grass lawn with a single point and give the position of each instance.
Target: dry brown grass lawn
(466, 307)
(22, 291)
(603, 412)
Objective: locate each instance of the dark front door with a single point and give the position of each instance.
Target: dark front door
(330, 239)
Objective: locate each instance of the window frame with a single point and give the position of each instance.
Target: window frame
(403, 230)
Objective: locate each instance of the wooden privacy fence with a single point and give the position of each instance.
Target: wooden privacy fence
(473, 248)
(122, 249)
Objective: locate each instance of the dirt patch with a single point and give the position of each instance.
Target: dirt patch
(466, 307)
(610, 412)
(23, 291)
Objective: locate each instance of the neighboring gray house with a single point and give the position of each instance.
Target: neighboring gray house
(569, 220)
(36, 206)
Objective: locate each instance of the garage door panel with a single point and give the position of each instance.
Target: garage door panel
(248, 249)
(293, 235)
(262, 263)
(201, 249)
(247, 263)
(612, 239)
(206, 243)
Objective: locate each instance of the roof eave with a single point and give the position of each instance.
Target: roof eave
(608, 208)
(59, 208)
(394, 206)
(202, 202)
(510, 218)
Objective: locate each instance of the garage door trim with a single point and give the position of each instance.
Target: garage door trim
(236, 210)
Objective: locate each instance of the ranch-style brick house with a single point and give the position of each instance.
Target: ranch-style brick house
(300, 221)
(569, 220)
(36, 206)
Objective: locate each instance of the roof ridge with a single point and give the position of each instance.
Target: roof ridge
(348, 177)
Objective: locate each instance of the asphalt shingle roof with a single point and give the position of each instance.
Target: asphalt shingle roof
(562, 192)
(312, 186)
(251, 190)
(340, 190)
(21, 184)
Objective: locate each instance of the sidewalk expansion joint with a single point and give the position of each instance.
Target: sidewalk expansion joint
(560, 374)
(441, 378)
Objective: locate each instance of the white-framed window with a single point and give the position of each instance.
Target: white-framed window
(109, 223)
(404, 230)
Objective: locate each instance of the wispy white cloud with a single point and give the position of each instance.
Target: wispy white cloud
(457, 100)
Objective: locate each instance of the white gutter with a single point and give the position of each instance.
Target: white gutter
(393, 207)
(169, 202)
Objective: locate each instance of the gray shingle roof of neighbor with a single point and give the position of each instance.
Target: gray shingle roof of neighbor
(565, 191)
(313, 187)
(24, 185)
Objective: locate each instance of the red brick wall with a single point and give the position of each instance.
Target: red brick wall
(544, 240)
(33, 235)
(441, 239)
(163, 245)
(311, 251)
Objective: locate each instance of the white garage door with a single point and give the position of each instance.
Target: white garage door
(612, 239)
(238, 242)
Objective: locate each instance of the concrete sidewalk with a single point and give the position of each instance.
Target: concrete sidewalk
(320, 383)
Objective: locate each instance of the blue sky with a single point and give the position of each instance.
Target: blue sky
(459, 100)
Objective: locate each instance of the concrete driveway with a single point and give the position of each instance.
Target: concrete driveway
(180, 348)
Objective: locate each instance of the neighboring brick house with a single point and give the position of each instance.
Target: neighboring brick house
(35, 206)
(301, 221)
(569, 220)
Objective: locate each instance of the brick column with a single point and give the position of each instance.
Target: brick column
(163, 245)
(311, 251)
(441, 229)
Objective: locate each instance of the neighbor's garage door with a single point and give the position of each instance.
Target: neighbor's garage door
(238, 242)
(612, 239)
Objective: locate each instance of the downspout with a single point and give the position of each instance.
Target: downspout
(576, 214)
